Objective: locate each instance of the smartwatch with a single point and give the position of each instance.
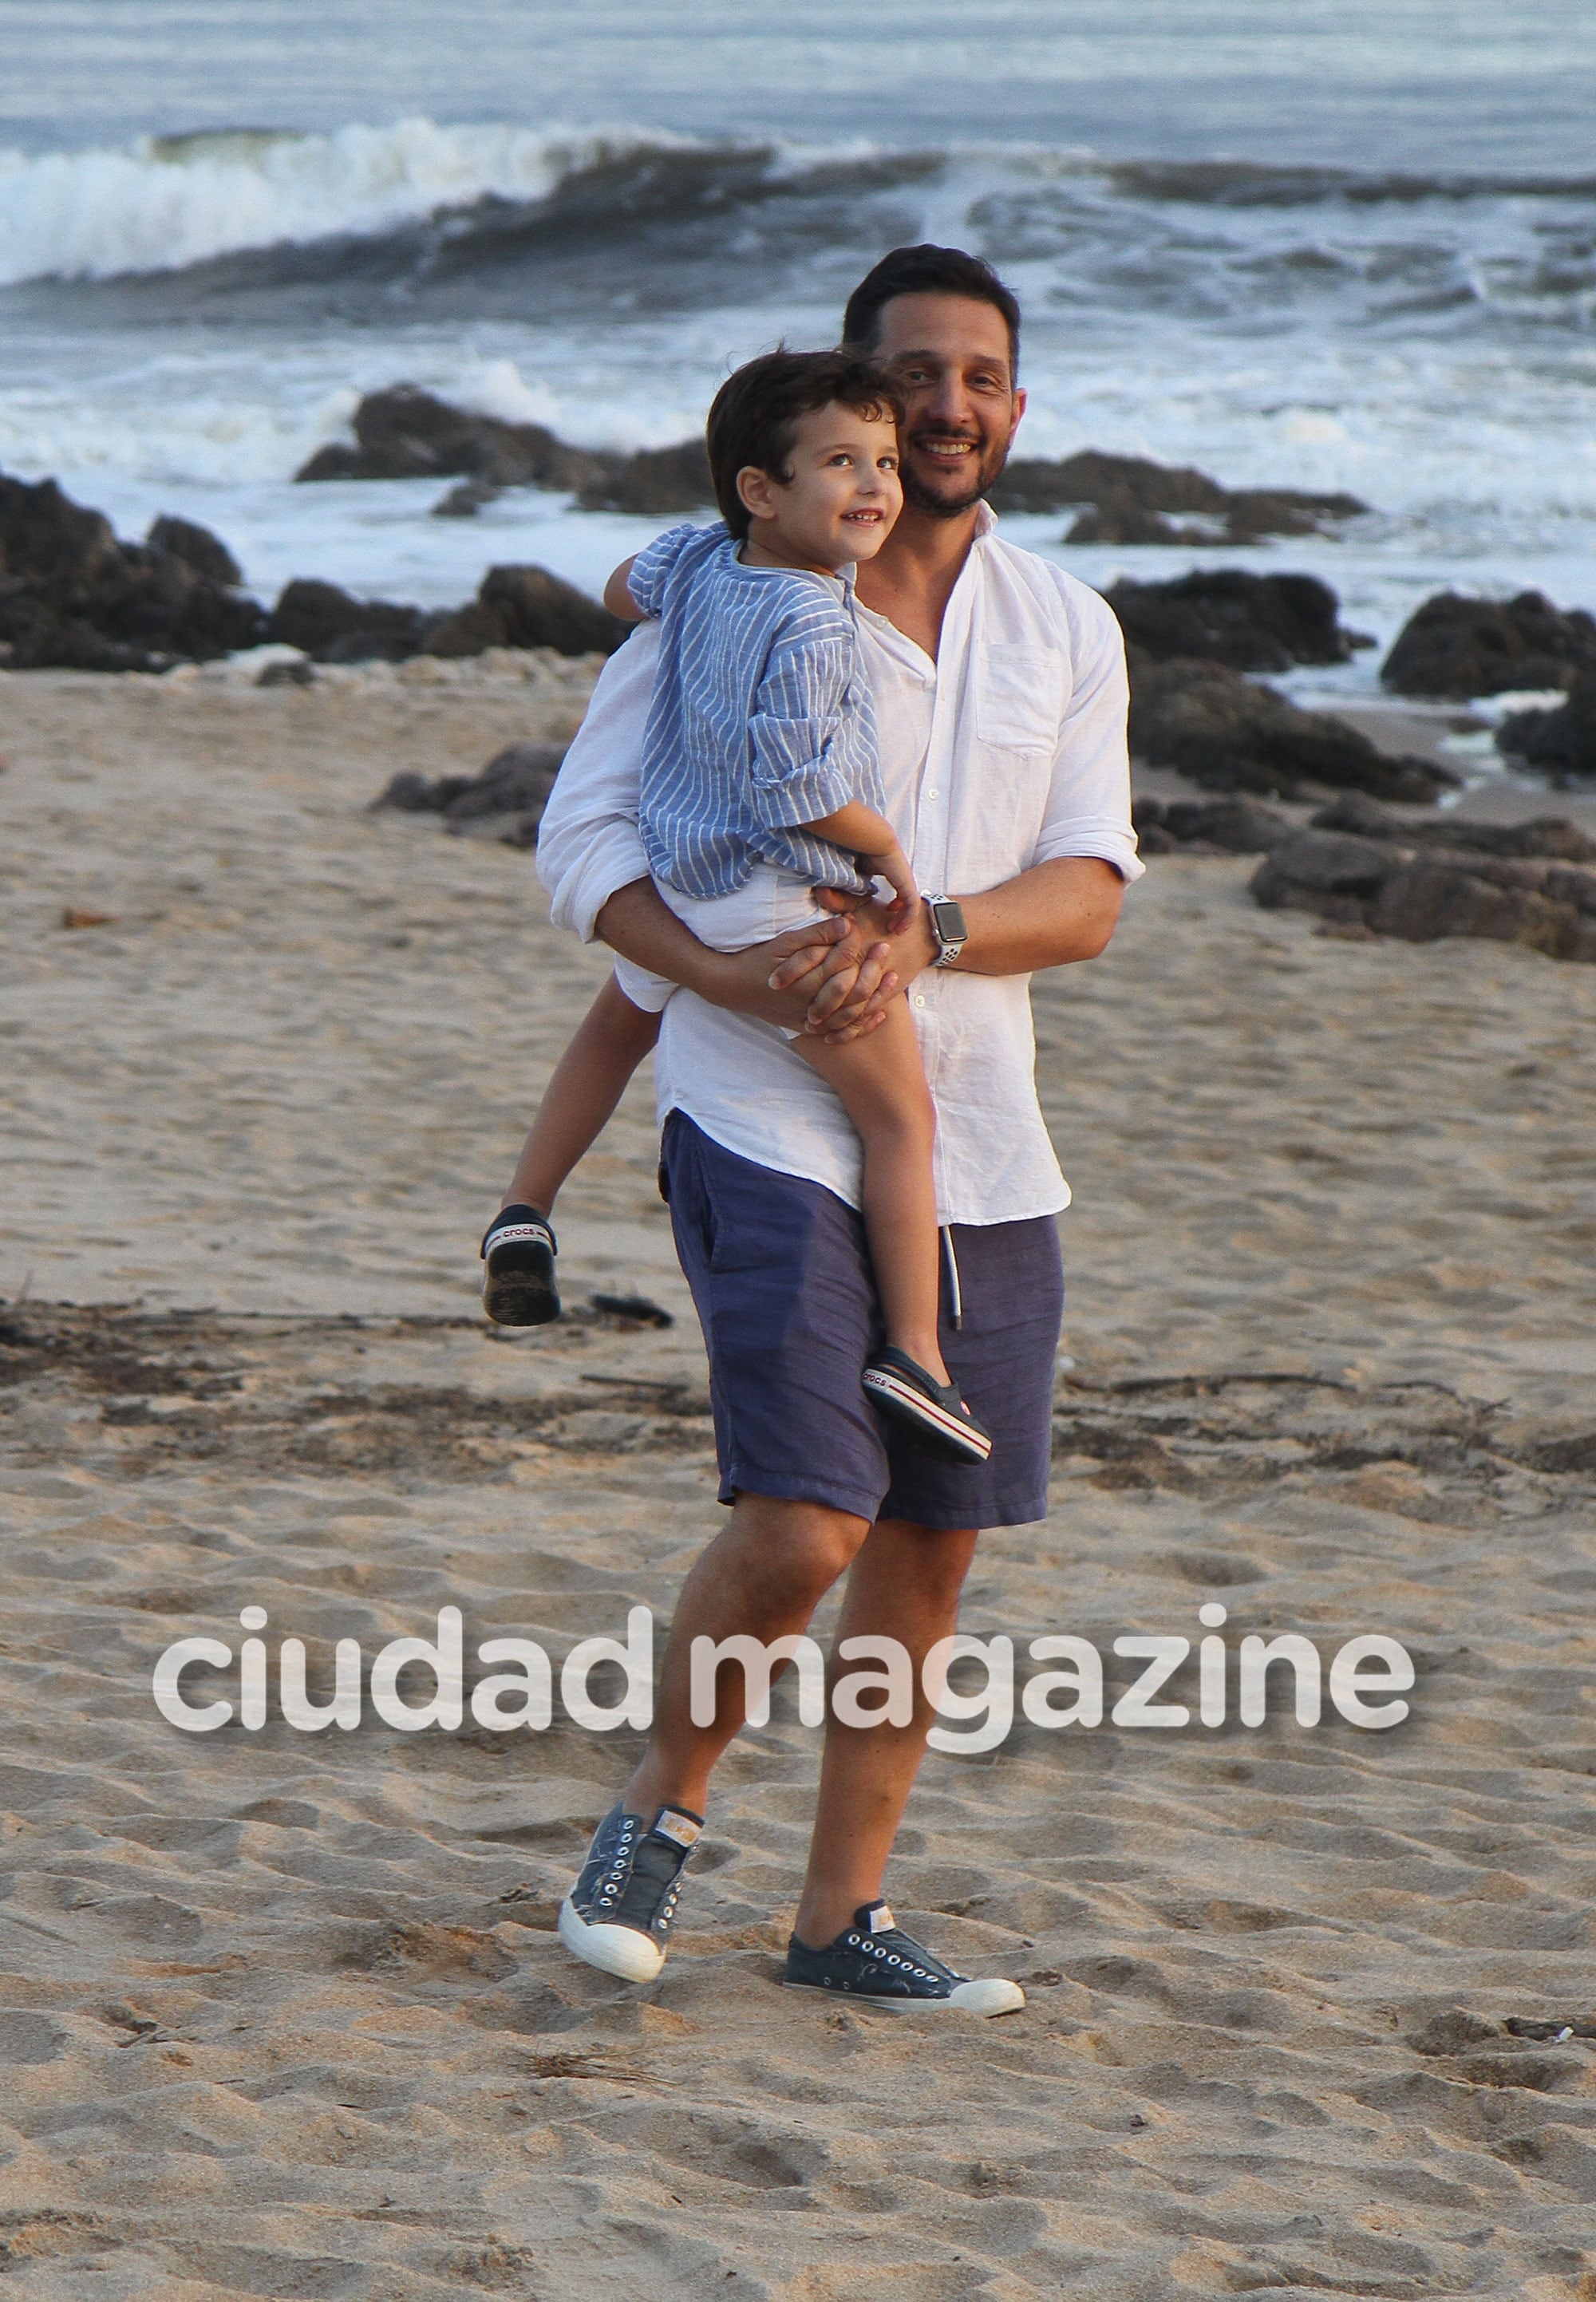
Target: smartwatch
(947, 928)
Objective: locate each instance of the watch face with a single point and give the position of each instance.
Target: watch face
(948, 919)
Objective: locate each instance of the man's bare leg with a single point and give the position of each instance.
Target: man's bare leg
(764, 1577)
(904, 1585)
(764, 1574)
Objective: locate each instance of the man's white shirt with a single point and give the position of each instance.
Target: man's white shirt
(1007, 751)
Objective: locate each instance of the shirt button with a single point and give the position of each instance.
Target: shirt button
(932, 792)
(919, 998)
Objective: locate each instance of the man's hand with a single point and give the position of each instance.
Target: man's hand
(823, 966)
(849, 981)
(831, 980)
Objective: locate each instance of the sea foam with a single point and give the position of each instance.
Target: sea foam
(163, 203)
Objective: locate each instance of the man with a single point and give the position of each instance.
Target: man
(999, 686)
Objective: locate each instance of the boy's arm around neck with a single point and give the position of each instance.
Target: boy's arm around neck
(618, 594)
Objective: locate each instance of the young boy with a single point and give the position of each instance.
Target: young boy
(760, 783)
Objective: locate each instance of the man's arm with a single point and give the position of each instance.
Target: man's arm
(835, 962)
(1065, 905)
(1052, 915)
(588, 841)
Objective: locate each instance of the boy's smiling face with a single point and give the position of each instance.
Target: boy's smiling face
(840, 497)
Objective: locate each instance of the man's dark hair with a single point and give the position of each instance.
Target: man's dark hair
(927, 271)
(754, 418)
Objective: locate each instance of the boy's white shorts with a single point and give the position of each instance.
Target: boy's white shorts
(768, 903)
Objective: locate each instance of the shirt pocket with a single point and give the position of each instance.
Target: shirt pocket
(1018, 698)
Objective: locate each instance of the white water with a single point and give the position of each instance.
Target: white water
(162, 202)
(1428, 344)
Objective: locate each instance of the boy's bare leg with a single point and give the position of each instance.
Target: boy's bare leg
(904, 1585)
(881, 1083)
(580, 1099)
(764, 1574)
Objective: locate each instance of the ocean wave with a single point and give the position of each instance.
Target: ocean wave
(1248, 183)
(166, 202)
(453, 198)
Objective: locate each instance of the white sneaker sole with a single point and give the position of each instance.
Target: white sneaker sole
(903, 1401)
(620, 1950)
(991, 1995)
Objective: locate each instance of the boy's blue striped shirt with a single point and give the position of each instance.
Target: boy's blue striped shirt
(761, 719)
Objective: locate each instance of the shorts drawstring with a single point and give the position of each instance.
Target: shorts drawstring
(955, 1294)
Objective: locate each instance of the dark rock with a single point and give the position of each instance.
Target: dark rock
(1226, 827)
(1035, 484)
(1131, 498)
(422, 795)
(641, 1309)
(654, 483)
(510, 794)
(1547, 906)
(1119, 518)
(1150, 834)
(155, 603)
(310, 613)
(336, 461)
(334, 627)
(1253, 622)
(1457, 647)
(463, 631)
(517, 607)
(45, 538)
(1231, 734)
(391, 634)
(1251, 513)
(466, 500)
(404, 433)
(196, 548)
(1435, 897)
(1561, 743)
(1324, 863)
(541, 611)
(515, 781)
(71, 596)
(1547, 835)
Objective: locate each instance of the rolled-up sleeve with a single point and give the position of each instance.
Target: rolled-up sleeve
(1088, 801)
(588, 842)
(652, 567)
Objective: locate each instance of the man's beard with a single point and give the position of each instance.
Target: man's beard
(940, 507)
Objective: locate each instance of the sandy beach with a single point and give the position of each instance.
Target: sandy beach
(284, 2014)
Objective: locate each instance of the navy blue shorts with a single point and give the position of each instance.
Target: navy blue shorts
(780, 1275)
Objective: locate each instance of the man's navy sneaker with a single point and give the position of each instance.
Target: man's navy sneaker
(618, 1914)
(875, 1961)
(518, 1288)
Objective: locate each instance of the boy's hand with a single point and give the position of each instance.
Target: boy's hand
(893, 866)
(618, 594)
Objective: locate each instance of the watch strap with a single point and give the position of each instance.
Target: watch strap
(948, 947)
